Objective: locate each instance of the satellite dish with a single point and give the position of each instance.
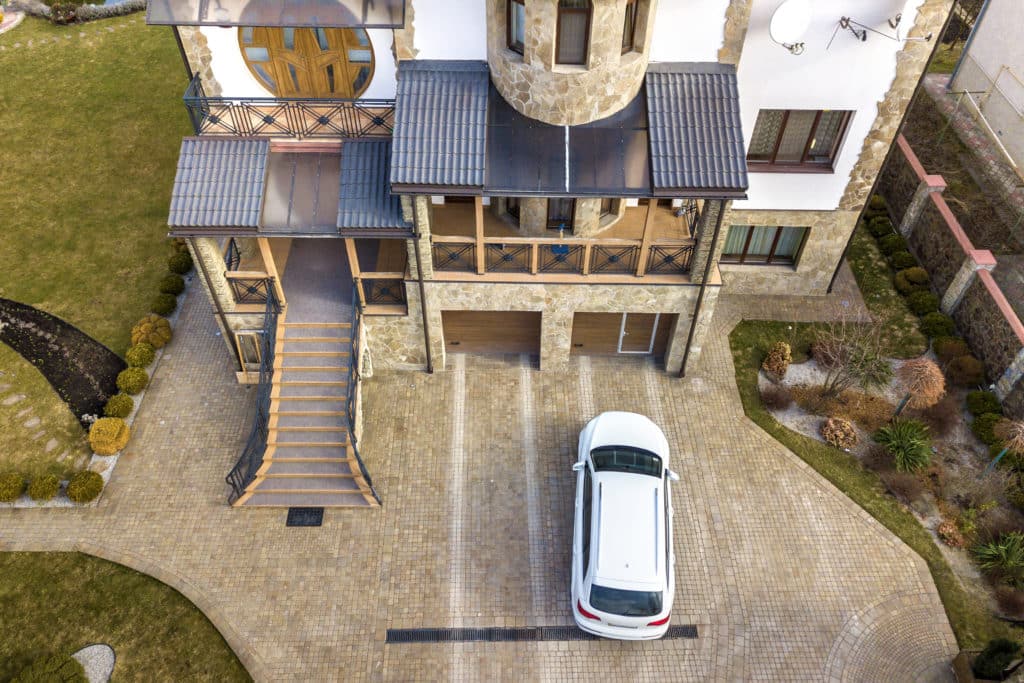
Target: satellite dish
(790, 21)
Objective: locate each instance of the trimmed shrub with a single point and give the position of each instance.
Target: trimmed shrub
(153, 330)
(12, 485)
(53, 669)
(85, 486)
(880, 226)
(877, 203)
(923, 303)
(140, 355)
(838, 432)
(108, 435)
(44, 487)
(948, 348)
(180, 263)
(981, 402)
(909, 280)
(937, 325)
(907, 442)
(902, 260)
(890, 244)
(995, 658)
(776, 397)
(172, 284)
(164, 304)
(984, 427)
(966, 371)
(119, 405)
(776, 363)
(132, 380)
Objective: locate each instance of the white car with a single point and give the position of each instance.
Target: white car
(623, 575)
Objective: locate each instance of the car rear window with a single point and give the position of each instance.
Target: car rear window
(625, 603)
(626, 459)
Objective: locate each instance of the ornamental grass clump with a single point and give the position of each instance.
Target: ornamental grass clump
(132, 380)
(923, 383)
(153, 330)
(12, 485)
(85, 486)
(907, 442)
(108, 435)
(44, 488)
(839, 433)
(140, 355)
(1003, 558)
(776, 363)
(119, 405)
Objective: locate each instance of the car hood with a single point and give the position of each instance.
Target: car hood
(628, 429)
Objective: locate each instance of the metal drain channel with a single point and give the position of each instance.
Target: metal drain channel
(509, 635)
(305, 517)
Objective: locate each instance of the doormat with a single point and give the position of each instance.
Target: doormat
(305, 517)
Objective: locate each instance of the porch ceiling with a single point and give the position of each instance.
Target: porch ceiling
(297, 13)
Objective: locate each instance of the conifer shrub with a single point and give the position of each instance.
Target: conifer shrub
(966, 371)
(119, 405)
(132, 380)
(180, 263)
(937, 325)
(12, 485)
(85, 486)
(890, 244)
(140, 355)
(923, 303)
(153, 330)
(108, 435)
(172, 284)
(980, 402)
(984, 427)
(44, 488)
(913, 279)
(948, 348)
(164, 304)
(901, 260)
(880, 226)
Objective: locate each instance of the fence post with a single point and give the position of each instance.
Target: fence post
(1011, 376)
(928, 185)
(978, 259)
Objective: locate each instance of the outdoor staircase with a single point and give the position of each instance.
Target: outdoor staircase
(310, 460)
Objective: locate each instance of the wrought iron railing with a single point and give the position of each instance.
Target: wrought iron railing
(287, 116)
(350, 398)
(232, 255)
(507, 258)
(244, 471)
(614, 259)
(246, 289)
(669, 259)
(561, 258)
(454, 257)
(383, 291)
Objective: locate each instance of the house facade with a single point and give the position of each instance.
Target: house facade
(542, 177)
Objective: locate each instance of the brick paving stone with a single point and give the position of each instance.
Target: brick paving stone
(784, 576)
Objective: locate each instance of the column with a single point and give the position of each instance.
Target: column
(1011, 377)
(705, 235)
(555, 337)
(979, 259)
(930, 184)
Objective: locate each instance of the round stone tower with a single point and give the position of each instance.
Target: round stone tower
(568, 62)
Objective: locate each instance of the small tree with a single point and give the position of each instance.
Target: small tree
(1010, 433)
(924, 383)
(852, 355)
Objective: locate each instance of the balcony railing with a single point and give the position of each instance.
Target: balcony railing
(287, 116)
(248, 287)
(561, 256)
(381, 292)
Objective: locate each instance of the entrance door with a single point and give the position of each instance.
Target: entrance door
(614, 333)
(637, 332)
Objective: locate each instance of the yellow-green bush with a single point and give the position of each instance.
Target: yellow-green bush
(132, 380)
(108, 435)
(140, 355)
(44, 487)
(153, 330)
(12, 485)
(119, 405)
(85, 486)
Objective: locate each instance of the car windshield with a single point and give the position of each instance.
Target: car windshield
(626, 459)
(625, 603)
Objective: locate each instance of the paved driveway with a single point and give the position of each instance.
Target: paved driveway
(783, 576)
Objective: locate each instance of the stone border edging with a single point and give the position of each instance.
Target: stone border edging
(85, 13)
(15, 19)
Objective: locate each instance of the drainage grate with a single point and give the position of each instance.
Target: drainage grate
(305, 517)
(508, 635)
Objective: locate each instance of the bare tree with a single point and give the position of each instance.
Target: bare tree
(851, 354)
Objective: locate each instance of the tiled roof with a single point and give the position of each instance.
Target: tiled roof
(694, 120)
(220, 182)
(365, 200)
(440, 123)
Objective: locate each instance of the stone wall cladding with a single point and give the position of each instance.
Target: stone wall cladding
(587, 221)
(199, 58)
(533, 216)
(1013, 404)
(737, 18)
(561, 94)
(403, 45)
(705, 233)
(936, 247)
(206, 250)
(986, 330)
(829, 233)
(898, 184)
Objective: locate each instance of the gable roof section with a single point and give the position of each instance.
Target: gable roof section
(696, 137)
(219, 183)
(364, 198)
(440, 123)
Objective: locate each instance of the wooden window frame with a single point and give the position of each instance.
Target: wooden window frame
(630, 30)
(802, 166)
(514, 208)
(509, 39)
(589, 11)
(572, 215)
(741, 259)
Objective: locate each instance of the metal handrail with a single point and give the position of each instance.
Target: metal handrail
(353, 379)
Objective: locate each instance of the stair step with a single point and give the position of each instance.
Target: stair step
(338, 392)
(313, 332)
(301, 468)
(312, 354)
(316, 404)
(316, 453)
(315, 436)
(305, 345)
(337, 363)
(315, 423)
(301, 371)
(307, 324)
(333, 378)
(313, 484)
(318, 429)
(324, 500)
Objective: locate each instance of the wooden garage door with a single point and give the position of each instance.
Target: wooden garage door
(596, 334)
(491, 331)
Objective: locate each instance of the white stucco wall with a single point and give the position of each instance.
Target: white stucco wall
(450, 29)
(998, 40)
(850, 75)
(688, 31)
(236, 80)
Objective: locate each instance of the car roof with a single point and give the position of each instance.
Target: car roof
(630, 513)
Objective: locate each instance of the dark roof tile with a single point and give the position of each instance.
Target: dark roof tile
(219, 182)
(365, 200)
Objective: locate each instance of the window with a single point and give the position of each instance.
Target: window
(303, 62)
(512, 205)
(516, 25)
(797, 137)
(626, 459)
(763, 244)
(608, 207)
(625, 602)
(560, 212)
(573, 31)
(629, 27)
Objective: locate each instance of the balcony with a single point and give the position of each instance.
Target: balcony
(280, 117)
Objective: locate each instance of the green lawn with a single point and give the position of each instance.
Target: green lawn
(54, 602)
(89, 134)
(945, 59)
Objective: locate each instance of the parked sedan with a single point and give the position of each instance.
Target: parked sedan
(623, 576)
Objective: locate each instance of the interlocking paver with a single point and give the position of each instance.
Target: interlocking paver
(784, 576)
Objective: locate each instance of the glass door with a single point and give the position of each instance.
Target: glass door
(637, 332)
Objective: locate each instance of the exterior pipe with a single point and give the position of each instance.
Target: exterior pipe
(423, 291)
(967, 43)
(213, 295)
(184, 57)
(703, 286)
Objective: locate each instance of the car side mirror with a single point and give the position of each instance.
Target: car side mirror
(673, 476)
(578, 466)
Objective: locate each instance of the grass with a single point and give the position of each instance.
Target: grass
(19, 451)
(60, 602)
(904, 338)
(945, 59)
(971, 621)
(90, 133)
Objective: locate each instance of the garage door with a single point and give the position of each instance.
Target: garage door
(595, 334)
(491, 331)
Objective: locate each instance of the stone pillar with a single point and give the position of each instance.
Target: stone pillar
(587, 221)
(402, 47)
(422, 207)
(737, 18)
(979, 259)
(199, 58)
(1011, 377)
(705, 233)
(930, 184)
(555, 337)
(533, 216)
(700, 334)
(209, 260)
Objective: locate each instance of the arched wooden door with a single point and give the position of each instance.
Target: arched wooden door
(308, 62)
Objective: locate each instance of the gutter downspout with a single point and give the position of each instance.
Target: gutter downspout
(892, 146)
(213, 296)
(181, 50)
(703, 286)
(423, 292)
(967, 43)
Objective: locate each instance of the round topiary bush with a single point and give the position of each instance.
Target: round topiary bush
(981, 402)
(153, 330)
(108, 435)
(923, 303)
(876, 204)
(776, 363)
(911, 280)
(838, 432)
(44, 487)
(901, 260)
(140, 355)
(984, 427)
(890, 244)
(172, 284)
(132, 380)
(85, 486)
(966, 371)
(948, 348)
(937, 325)
(993, 661)
(180, 263)
(164, 304)
(12, 485)
(880, 226)
(53, 669)
(119, 405)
